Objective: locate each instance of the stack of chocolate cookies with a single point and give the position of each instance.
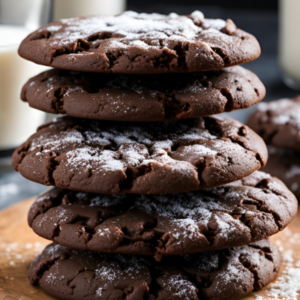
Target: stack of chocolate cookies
(278, 123)
(154, 198)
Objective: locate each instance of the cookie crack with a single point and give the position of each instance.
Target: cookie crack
(199, 283)
(113, 59)
(258, 204)
(229, 106)
(70, 281)
(257, 284)
(132, 174)
(55, 202)
(224, 57)
(53, 165)
(80, 220)
(266, 250)
(201, 168)
(154, 286)
(43, 269)
(181, 52)
(166, 60)
(78, 46)
(251, 269)
(58, 103)
(21, 154)
(173, 108)
(242, 144)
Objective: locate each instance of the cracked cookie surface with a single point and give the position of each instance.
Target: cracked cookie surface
(143, 158)
(232, 215)
(220, 275)
(278, 123)
(143, 97)
(133, 43)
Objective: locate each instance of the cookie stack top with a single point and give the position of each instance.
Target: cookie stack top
(142, 167)
(133, 43)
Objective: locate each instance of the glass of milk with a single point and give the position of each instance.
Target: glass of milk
(17, 120)
(75, 8)
(289, 42)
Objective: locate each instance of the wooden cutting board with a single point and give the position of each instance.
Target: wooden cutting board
(19, 246)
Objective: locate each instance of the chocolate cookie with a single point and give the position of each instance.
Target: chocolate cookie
(228, 216)
(286, 166)
(219, 275)
(143, 97)
(133, 43)
(278, 123)
(143, 158)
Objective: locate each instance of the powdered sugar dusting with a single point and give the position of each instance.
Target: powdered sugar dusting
(287, 286)
(103, 231)
(274, 105)
(226, 224)
(282, 111)
(181, 287)
(197, 15)
(198, 150)
(208, 261)
(113, 270)
(233, 273)
(103, 200)
(185, 214)
(182, 206)
(54, 28)
(50, 142)
(135, 27)
(15, 254)
(108, 273)
(281, 120)
(185, 227)
(113, 148)
(217, 24)
(86, 156)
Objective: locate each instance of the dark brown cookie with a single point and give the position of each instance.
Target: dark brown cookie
(228, 216)
(143, 97)
(278, 123)
(218, 275)
(143, 158)
(133, 43)
(286, 166)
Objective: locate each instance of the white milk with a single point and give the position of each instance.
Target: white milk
(17, 119)
(75, 8)
(289, 41)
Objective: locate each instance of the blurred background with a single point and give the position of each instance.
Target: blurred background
(275, 25)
